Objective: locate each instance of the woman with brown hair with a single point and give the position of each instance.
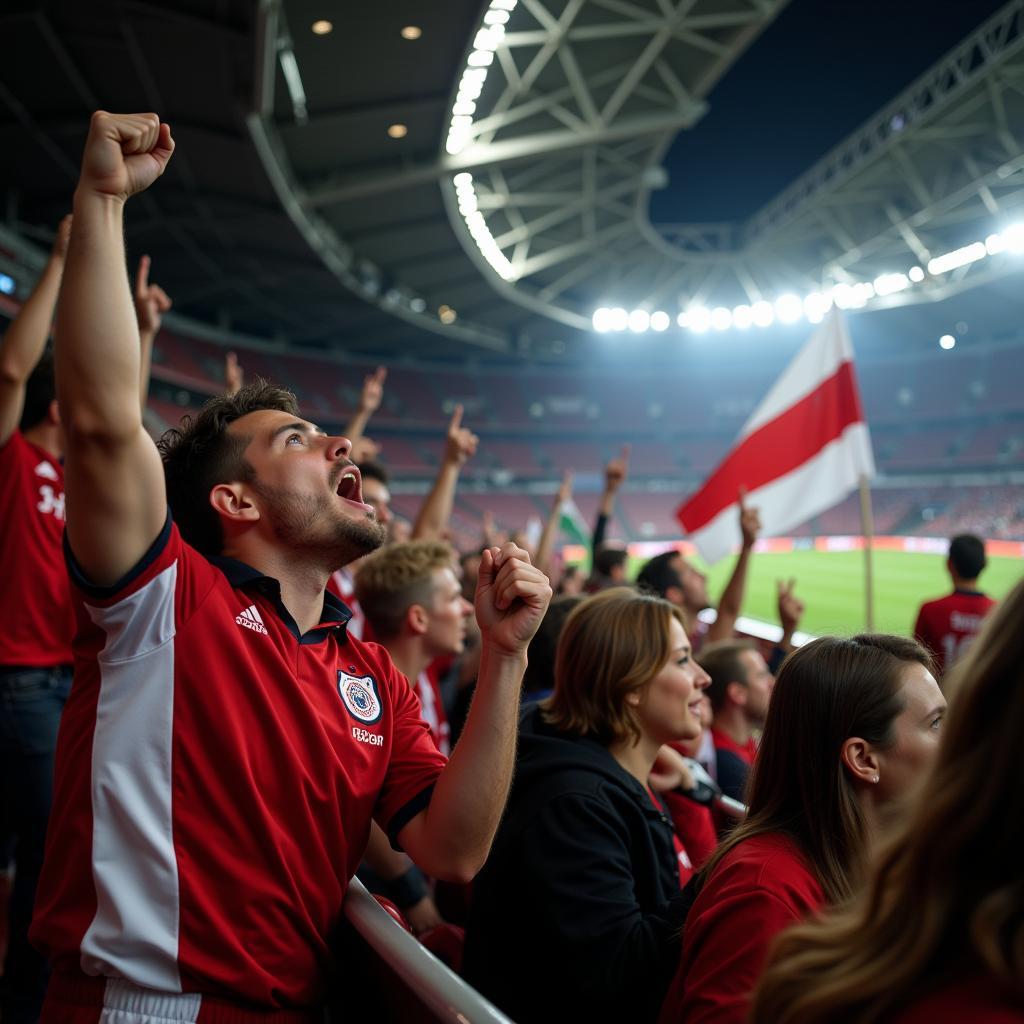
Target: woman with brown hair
(851, 724)
(938, 933)
(577, 912)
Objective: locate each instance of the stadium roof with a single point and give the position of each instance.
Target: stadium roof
(672, 155)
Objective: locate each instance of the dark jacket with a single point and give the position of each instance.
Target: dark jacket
(577, 913)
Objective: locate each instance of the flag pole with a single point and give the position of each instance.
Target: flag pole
(867, 530)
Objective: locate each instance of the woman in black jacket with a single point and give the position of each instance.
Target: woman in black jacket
(577, 913)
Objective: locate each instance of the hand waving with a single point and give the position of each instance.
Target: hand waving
(151, 301)
(511, 598)
(461, 442)
(373, 390)
(124, 154)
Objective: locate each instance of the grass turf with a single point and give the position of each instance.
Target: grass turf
(831, 584)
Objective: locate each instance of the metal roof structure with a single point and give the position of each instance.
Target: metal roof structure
(515, 199)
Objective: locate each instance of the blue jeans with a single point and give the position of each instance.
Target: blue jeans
(31, 701)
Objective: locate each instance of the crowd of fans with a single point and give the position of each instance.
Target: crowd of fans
(232, 677)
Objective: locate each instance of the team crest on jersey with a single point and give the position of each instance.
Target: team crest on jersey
(361, 697)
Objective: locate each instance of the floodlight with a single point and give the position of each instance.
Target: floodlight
(618, 319)
(763, 314)
(721, 318)
(789, 308)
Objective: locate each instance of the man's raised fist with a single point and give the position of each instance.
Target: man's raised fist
(124, 154)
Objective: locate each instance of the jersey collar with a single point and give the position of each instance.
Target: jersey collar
(334, 617)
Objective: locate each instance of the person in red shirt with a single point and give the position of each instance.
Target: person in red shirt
(851, 726)
(936, 934)
(414, 607)
(35, 610)
(226, 744)
(948, 625)
(740, 692)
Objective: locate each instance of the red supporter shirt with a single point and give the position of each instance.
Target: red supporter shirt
(974, 998)
(759, 888)
(947, 625)
(342, 584)
(746, 752)
(428, 690)
(216, 776)
(35, 599)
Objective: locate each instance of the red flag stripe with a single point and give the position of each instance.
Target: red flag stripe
(778, 447)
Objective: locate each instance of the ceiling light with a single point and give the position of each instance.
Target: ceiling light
(322, 27)
(601, 319)
(411, 32)
(957, 258)
(446, 314)
(660, 320)
(947, 341)
(916, 274)
(1013, 238)
(397, 131)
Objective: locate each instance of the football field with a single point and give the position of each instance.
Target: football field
(831, 585)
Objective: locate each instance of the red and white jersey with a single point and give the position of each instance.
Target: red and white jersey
(947, 625)
(36, 617)
(343, 584)
(216, 776)
(428, 690)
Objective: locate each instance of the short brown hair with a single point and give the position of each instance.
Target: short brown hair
(612, 644)
(392, 580)
(723, 662)
(200, 453)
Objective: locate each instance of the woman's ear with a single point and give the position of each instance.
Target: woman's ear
(860, 761)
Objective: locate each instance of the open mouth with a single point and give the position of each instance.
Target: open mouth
(350, 488)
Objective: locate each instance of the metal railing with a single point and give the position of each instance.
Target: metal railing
(447, 996)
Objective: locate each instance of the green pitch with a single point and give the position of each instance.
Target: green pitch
(831, 585)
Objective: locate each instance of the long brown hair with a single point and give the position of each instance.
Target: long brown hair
(612, 644)
(827, 691)
(947, 892)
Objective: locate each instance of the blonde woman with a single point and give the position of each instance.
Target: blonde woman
(577, 912)
(938, 934)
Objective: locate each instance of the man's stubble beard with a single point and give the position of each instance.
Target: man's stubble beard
(298, 522)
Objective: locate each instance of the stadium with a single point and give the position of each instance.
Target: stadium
(565, 272)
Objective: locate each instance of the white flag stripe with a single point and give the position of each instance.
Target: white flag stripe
(794, 498)
(828, 348)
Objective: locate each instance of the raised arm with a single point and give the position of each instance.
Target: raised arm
(369, 402)
(452, 836)
(151, 302)
(25, 339)
(732, 597)
(114, 483)
(614, 475)
(546, 544)
(436, 510)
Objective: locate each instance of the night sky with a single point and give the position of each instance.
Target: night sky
(818, 72)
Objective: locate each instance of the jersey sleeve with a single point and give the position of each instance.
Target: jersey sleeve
(415, 761)
(150, 602)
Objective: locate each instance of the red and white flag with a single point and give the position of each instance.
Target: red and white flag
(803, 450)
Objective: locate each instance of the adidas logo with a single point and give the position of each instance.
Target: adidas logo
(250, 618)
(45, 469)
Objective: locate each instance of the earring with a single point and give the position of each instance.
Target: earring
(874, 778)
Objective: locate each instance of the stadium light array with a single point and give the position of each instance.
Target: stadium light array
(460, 133)
(791, 308)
